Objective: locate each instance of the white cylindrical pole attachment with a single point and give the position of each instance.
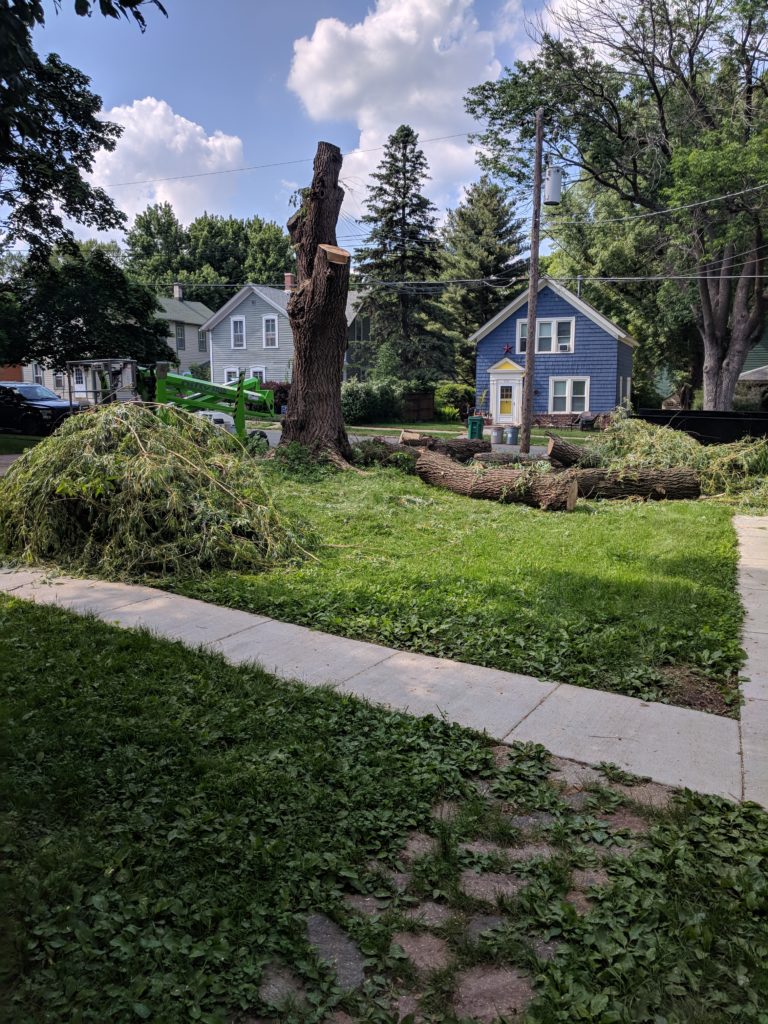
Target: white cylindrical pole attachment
(553, 185)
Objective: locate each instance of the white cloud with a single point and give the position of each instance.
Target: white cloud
(158, 143)
(407, 62)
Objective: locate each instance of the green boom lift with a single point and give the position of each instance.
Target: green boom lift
(233, 399)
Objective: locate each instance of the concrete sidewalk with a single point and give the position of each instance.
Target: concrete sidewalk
(674, 746)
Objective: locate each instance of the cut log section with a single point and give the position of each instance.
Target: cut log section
(507, 459)
(567, 454)
(555, 492)
(461, 449)
(651, 484)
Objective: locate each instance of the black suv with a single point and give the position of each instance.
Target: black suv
(30, 408)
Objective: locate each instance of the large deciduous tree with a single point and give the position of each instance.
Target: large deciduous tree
(482, 244)
(664, 104)
(50, 132)
(316, 310)
(400, 254)
(98, 312)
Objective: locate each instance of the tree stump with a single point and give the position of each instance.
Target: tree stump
(556, 492)
(316, 311)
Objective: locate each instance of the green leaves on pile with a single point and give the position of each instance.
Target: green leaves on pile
(130, 491)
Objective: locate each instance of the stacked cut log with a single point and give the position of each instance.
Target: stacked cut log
(563, 453)
(555, 492)
(461, 449)
(644, 482)
(651, 484)
(508, 459)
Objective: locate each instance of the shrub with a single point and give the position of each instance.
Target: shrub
(371, 401)
(451, 393)
(448, 413)
(282, 389)
(127, 491)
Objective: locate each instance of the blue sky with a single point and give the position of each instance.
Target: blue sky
(217, 86)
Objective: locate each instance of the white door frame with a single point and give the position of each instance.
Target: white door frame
(511, 378)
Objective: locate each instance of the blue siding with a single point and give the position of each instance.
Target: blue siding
(624, 369)
(596, 355)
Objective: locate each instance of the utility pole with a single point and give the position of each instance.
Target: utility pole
(533, 290)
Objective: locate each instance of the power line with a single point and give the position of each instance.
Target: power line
(260, 167)
(554, 221)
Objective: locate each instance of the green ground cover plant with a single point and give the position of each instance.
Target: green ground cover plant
(168, 821)
(633, 597)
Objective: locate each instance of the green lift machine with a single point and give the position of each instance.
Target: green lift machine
(246, 396)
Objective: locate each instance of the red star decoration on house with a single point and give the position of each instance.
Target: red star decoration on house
(507, 349)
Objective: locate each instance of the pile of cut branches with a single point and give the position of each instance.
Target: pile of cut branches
(127, 490)
(736, 472)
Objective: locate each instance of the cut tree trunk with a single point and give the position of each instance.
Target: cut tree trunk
(507, 459)
(316, 311)
(651, 484)
(461, 449)
(567, 454)
(555, 492)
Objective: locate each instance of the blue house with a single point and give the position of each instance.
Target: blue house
(583, 361)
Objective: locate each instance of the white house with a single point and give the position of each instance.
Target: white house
(251, 333)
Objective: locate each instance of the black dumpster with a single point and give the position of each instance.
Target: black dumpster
(709, 427)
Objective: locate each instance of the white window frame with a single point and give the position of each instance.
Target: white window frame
(58, 380)
(568, 411)
(554, 320)
(78, 376)
(258, 370)
(202, 336)
(270, 316)
(228, 370)
(37, 374)
(180, 336)
(232, 321)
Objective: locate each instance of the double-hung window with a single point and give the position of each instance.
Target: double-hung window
(58, 381)
(238, 331)
(553, 337)
(181, 340)
(569, 394)
(37, 373)
(202, 341)
(231, 373)
(257, 372)
(270, 332)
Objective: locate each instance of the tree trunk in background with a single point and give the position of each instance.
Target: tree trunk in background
(316, 311)
(461, 449)
(555, 492)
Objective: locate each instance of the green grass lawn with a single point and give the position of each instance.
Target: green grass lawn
(625, 596)
(11, 444)
(167, 822)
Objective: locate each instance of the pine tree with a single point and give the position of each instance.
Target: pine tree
(483, 240)
(403, 246)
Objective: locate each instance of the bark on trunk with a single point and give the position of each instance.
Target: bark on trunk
(506, 459)
(461, 449)
(566, 454)
(651, 484)
(555, 492)
(730, 315)
(316, 311)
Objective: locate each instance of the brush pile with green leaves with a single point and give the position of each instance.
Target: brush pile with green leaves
(736, 472)
(127, 490)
